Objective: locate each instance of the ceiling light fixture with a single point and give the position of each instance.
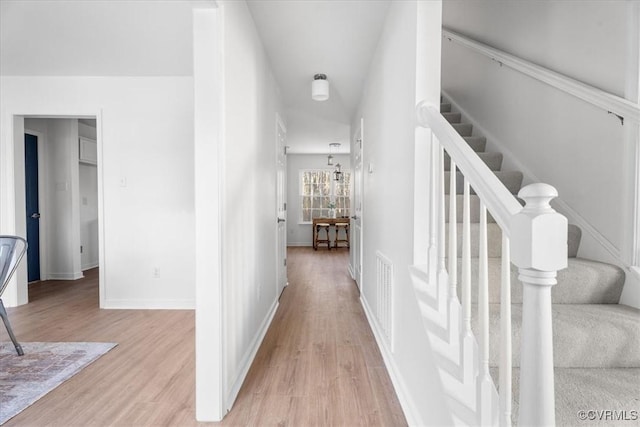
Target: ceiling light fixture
(332, 146)
(320, 88)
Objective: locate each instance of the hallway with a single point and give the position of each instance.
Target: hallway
(319, 363)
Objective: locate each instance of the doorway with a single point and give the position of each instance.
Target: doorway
(60, 206)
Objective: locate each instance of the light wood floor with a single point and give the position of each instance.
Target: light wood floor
(318, 364)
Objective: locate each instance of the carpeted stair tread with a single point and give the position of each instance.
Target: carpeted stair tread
(474, 208)
(494, 239)
(617, 390)
(492, 160)
(464, 129)
(584, 335)
(582, 282)
(511, 179)
(477, 143)
(452, 117)
(596, 340)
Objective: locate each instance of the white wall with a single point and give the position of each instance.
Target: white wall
(63, 249)
(551, 136)
(89, 234)
(388, 108)
(147, 166)
(301, 234)
(249, 200)
(142, 97)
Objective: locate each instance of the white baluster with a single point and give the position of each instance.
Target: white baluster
(485, 383)
(442, 268)
(539, 249)
(505, 336)
(453, 242)
(438, 224)
(454, 305)
(466, 260)
(433, 208)
(469, 358)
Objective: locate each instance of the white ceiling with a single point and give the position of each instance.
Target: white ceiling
(306, 37)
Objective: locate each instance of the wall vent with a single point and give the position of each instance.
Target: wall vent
(385, 296)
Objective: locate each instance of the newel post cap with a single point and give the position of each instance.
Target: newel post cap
(538, 232)
(422, 112)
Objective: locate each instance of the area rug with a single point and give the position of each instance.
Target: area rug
(44, 366)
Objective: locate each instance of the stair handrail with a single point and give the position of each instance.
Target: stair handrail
(537, 237)
(499, 201)
(613, 104)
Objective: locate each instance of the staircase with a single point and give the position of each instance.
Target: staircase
(596, 341)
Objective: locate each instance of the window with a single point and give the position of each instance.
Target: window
(318, 189)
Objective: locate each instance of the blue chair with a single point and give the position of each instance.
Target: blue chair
(12, 249)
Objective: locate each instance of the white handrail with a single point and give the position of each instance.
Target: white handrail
(610, 103)
(498, 200)
(539, 250)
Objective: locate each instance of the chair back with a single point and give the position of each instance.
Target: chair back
(12, 249)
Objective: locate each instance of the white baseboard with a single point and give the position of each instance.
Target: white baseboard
(149, 304)
(90, 266)
(404, 397)
(352, 273)
(299, 244)
(65, 276)
(247, 360)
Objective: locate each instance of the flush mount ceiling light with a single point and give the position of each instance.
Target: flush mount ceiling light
(332, 146)
(320, 88)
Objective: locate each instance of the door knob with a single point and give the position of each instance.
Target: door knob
(35, 215)
(281, 220)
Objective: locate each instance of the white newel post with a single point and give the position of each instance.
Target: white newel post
(539, 250)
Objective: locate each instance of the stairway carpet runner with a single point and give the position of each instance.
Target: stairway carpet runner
(596, 340)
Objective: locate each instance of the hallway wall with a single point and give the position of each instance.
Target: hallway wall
(397, 79)
(251, 102)
(89, 235)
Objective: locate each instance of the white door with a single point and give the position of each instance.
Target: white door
(281, 206)
(356, 213)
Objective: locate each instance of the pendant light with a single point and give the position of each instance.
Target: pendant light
(332, 146)
(337, 174)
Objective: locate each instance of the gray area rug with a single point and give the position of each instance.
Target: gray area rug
(44, 366)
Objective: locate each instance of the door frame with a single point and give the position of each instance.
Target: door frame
(280, 126)
(356, 270)
(42, 199)
(15, 209)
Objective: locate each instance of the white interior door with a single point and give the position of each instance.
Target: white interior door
(356, 213)
(281, 206)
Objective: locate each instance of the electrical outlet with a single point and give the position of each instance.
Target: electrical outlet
(155, 273)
